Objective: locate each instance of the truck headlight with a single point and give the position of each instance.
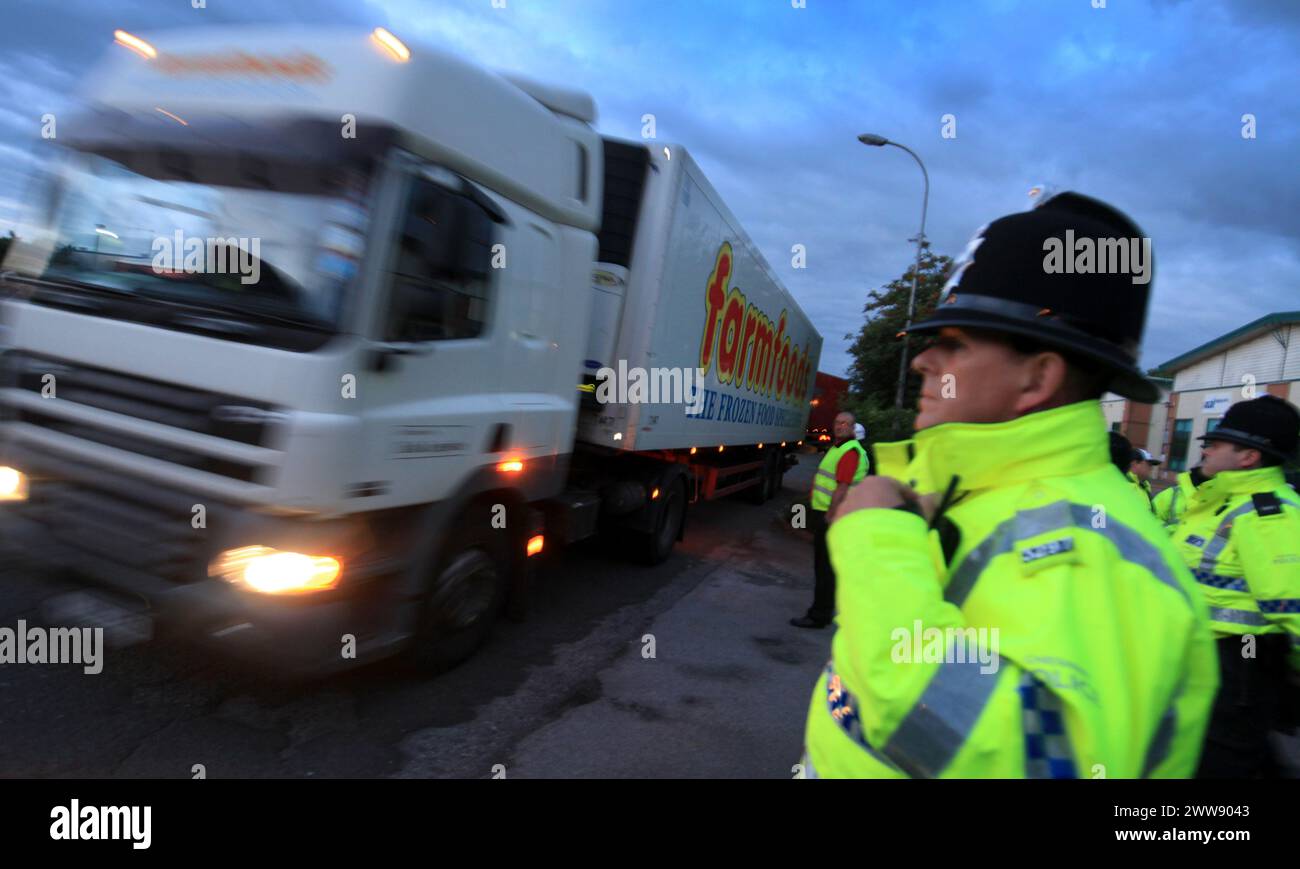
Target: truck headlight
(270, 571)
(13, 484)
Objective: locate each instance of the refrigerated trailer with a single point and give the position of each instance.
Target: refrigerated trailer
(316, 339)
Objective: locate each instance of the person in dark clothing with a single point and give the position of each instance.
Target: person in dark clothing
(1121, 452)
(843, 465)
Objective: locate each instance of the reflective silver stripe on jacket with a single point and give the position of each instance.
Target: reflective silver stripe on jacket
(936, 727)
(1051, 517)
(1163, 739)
(1237, 617)
(823, 489)
(1210, 557)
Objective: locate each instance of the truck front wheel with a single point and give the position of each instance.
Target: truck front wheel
(463, 601)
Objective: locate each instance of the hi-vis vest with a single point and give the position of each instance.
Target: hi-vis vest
(1241, 538)
(1171, 504)
(824, 480)
(1142, 487)
(1045, 628)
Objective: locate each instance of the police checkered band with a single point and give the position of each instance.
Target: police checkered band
(1047, 746)
(1290, 605)
(931, 734)
(1215, 580)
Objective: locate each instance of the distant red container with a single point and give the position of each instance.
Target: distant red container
(828, 391)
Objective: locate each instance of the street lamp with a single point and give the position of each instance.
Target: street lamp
(879, 142)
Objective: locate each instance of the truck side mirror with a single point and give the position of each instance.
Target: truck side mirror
(450, 233)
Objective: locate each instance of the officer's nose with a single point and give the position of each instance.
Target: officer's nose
(921, 363)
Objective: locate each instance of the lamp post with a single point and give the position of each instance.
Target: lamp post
(879, 142)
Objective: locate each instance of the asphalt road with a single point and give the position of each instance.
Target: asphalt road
(571, 691)
(684, 670)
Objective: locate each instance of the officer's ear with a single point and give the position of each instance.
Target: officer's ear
(1247, 458)
(1044, 379)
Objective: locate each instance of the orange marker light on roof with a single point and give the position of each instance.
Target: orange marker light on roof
(177, 118)
(391, 44)
(135, 43)
(535, 544)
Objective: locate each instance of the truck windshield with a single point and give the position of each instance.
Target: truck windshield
(247, 237)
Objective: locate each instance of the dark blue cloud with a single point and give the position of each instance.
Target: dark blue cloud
(1139, 103)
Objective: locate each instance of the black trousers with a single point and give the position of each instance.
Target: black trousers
(823, 606)
(1248, 706)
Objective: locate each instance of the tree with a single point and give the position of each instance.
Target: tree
(873, 375)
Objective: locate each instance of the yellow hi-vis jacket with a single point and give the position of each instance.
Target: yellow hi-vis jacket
(1142, 487)
(1241, 538)
(1105, 662)
(824, 483)
(1171, 504)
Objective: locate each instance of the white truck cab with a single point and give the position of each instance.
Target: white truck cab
(293, 344)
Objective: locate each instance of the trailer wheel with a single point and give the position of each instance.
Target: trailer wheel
(465, 597)
(759, 493)
(768, 483)
(778, 474)
(655, 547)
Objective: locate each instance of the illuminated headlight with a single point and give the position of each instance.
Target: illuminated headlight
(269, 571)
(13, 484)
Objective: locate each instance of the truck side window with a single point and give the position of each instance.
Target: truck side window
(438, 290)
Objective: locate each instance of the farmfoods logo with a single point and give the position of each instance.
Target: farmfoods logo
(749, 349)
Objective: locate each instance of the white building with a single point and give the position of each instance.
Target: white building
(1261, 357)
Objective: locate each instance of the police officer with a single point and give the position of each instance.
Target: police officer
(1171, 504)
(1140, 471)
(1241, 538)
(844, 464)
(1007, 608)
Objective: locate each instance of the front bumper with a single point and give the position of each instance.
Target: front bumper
(137, 544)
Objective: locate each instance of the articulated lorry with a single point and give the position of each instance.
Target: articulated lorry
(316, 339)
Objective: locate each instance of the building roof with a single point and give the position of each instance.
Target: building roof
(1230, 339)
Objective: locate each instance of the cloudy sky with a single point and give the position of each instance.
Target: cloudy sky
(1139, 103)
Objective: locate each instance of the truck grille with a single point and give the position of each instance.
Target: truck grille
(126, 533)
(217, 415)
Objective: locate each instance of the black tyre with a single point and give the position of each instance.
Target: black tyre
(464, 598)
(655, 547)
(778, 475)
(766, 488)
